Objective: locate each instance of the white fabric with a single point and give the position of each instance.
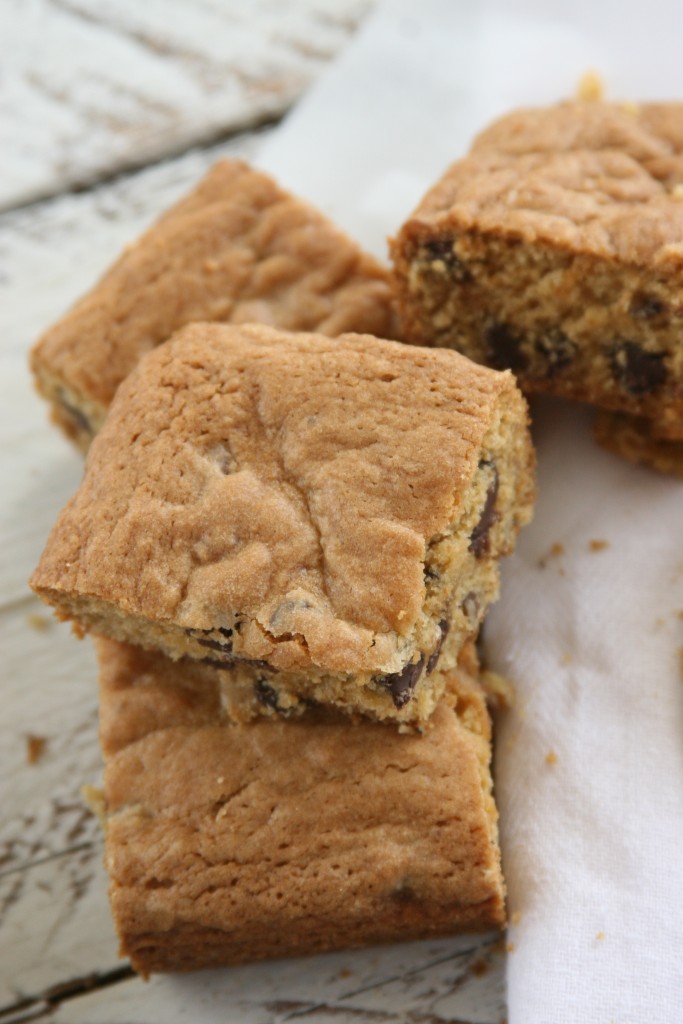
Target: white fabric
(592, 836)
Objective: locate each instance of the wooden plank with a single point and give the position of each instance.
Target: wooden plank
(454, 980)
(90, 87)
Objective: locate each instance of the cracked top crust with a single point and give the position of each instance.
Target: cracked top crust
(600, 178)
(284, 482)
(236, 249)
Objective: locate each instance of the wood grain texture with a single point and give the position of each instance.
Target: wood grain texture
(58, 955)
(90, 87)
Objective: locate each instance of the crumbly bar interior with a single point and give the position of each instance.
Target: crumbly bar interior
(563, 322)
(632, 438)
(461, 579)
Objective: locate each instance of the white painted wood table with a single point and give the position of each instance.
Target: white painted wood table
(88, 91)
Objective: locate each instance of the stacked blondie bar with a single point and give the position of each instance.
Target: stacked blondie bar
(555, 248)
(286, 537)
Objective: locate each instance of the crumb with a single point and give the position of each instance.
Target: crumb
(516, 917)
(551, 757)
(35, 748)
(555, 551)
(479, 968)
(590, 87)
(566, 659)
(94, 801)
(598, 545)
(599, 936)
(38, 622)
(510, 947)
(344, 973)
(500, 692)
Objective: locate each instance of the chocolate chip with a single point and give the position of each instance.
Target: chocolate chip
(266, 695)
(80, 420)
(505, 348)
(202, 637)
(635, 370)
(434, 656)
(645, 307)
(229, 661)
(479, 540)
(214, 645)
(556, 350)
(401, 685)
(213, 662)
(441, 250)
(431, 574)
(403, 893)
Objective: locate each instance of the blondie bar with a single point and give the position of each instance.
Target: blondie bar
(324, 517)
(634, 439)
(227, 843)
(555, 248)
(236, 249)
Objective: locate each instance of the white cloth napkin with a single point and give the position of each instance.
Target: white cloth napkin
(589, 765)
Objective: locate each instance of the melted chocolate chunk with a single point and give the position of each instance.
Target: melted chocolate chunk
(442, 249)
(635, 370)
(202, 637)
(557, 351)
(213, 662)
(505, 348)
(80, 420)
(404, 894)
(401, 685)
(214, 645)
(434, 656)
(266, 695)
(645, 307)
(479, 541)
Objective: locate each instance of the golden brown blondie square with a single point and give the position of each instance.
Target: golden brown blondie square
(555, 248)
(324, 516)
(227, 843)
(236, 249)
